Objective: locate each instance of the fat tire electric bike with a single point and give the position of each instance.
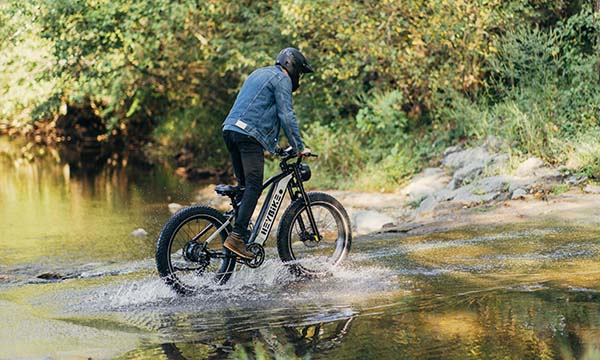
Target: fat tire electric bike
(314, 233)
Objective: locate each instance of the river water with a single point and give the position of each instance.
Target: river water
(74, 284)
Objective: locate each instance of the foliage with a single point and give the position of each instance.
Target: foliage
(395, 81)
(24, 58)
(542, 95)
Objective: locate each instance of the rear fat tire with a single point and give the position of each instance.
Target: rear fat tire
(167, 235)
(284, 231)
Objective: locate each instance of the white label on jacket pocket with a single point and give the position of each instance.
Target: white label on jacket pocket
(242, 125)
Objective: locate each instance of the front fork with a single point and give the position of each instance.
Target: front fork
(304, 196)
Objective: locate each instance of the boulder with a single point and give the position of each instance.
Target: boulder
(367, 221)
(529, 167)
(425, 183)
(576, 180)
(466, 175)
(592, 189)
(479, 191)
(477, 155)
(427, 205)
(515, 183)
(491, 184)
(469, 195)
(519, 194)
(499, 163)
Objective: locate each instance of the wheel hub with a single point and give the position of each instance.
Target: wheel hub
(194, 252)
(309, 239)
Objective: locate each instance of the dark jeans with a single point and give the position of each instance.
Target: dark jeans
(248, 164)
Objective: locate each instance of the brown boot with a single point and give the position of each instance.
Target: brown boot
(235, 243)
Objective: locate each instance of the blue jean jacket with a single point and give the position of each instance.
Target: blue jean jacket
(263, 105)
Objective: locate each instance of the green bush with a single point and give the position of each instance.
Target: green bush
(542, 96)
(395, 81)
(341, 156)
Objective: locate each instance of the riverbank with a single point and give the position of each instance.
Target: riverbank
(479, 186)
(574, 207)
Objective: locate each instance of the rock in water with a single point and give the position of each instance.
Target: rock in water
(175, 207)
(367, 221)
(139, 232)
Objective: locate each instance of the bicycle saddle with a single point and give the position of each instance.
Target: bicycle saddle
(228, 190)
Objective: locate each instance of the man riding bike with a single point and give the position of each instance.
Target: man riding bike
(263, 105)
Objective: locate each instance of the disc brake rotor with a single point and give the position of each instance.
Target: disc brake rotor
(308, 239)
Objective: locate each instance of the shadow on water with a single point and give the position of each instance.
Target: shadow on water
(531, 291)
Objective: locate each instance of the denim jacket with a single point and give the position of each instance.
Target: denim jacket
(263, 105)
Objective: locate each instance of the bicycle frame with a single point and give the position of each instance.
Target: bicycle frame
(279, 183)
(288, 179)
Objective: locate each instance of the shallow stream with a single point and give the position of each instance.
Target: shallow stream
(74, 284)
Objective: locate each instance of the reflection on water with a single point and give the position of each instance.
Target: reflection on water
(51, 211)
(527, 292)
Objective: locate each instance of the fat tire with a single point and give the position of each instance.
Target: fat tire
(286, 223)
(167, 235)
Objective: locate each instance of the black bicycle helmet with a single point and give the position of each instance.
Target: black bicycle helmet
(294, 63)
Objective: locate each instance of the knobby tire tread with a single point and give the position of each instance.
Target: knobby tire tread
(283, 243)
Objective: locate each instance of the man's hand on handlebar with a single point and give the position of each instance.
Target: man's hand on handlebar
(305, 153)
(289, 153)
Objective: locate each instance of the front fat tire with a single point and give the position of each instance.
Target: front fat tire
(284, 232)
(167, 236)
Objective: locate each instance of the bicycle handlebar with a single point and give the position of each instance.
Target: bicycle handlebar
(288, 153)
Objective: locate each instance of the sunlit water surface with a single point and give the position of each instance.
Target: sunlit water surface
(508, 292)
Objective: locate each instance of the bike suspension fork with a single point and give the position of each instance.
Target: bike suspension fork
(304, 196)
